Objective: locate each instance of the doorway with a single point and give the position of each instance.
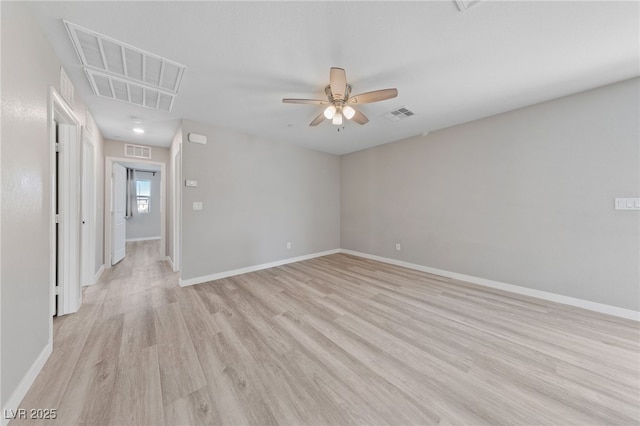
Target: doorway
(122, 225)
(64, 240)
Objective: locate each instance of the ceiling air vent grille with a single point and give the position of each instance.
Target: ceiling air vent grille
(137, 151)
(398, 114)
(118, 89)
(463, 5)
(121, 72)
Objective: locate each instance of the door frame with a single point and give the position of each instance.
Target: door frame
(88, 229)
(108, 203)
(119, 198)
(177, 210)
(69, 294)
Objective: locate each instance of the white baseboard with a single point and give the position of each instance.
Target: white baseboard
(16, 398)
(97, 276)
(558, 298)
(225, 274)
(133, 240)
(170, 261)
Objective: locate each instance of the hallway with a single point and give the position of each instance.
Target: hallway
(88, 377)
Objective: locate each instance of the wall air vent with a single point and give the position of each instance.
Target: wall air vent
(118, 89)
(398, 114)
(137, 151)
(66, 88)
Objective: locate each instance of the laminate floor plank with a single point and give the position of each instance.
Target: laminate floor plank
(138, 393)
(335, 340)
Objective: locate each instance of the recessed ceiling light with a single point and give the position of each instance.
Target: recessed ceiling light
(138, 130)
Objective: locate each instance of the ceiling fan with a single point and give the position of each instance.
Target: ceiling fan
(340, 102)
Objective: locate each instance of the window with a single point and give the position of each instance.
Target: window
(143, 195)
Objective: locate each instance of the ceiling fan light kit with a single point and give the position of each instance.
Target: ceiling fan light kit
(330, 112)
(348, 112)
(340, 100)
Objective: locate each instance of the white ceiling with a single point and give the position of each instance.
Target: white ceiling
(449, 66)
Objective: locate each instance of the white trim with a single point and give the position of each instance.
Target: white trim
(70, 296)
(168, 259)
(553, 297)
(133, 240)
(18, 395)
(98, 274)
(225, 274)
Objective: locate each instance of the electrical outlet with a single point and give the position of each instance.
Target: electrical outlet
(398, 246)
(288, 246)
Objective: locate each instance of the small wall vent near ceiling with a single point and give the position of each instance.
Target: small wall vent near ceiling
(66, 88)
(137, 151)
(398, 114)
(119, 89)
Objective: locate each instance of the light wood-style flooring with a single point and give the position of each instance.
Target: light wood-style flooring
(337, 340)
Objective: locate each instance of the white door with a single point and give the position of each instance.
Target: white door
(118, 213)
(87, 252)
(68, 220)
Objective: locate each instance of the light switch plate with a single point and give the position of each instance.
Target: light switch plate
(197, 205)
(191, 183)
(627, 204)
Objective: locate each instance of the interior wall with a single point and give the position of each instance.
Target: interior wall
(524, 198)
(29, 69)
(147, 225)
(256, 196)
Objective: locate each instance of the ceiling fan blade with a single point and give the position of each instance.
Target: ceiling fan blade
(359, 118)
(319, 119)
(305, 101)
(338, 82)
(375, 96)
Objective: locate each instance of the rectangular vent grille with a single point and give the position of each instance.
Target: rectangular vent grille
(118, 89)
(106, 54)
(398, 114)
(66, 88)
(137, 151)
(90, 124)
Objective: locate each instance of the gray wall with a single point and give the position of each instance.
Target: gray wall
(524, 197)
(28, 69)
(147, 225)
(257, 196)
